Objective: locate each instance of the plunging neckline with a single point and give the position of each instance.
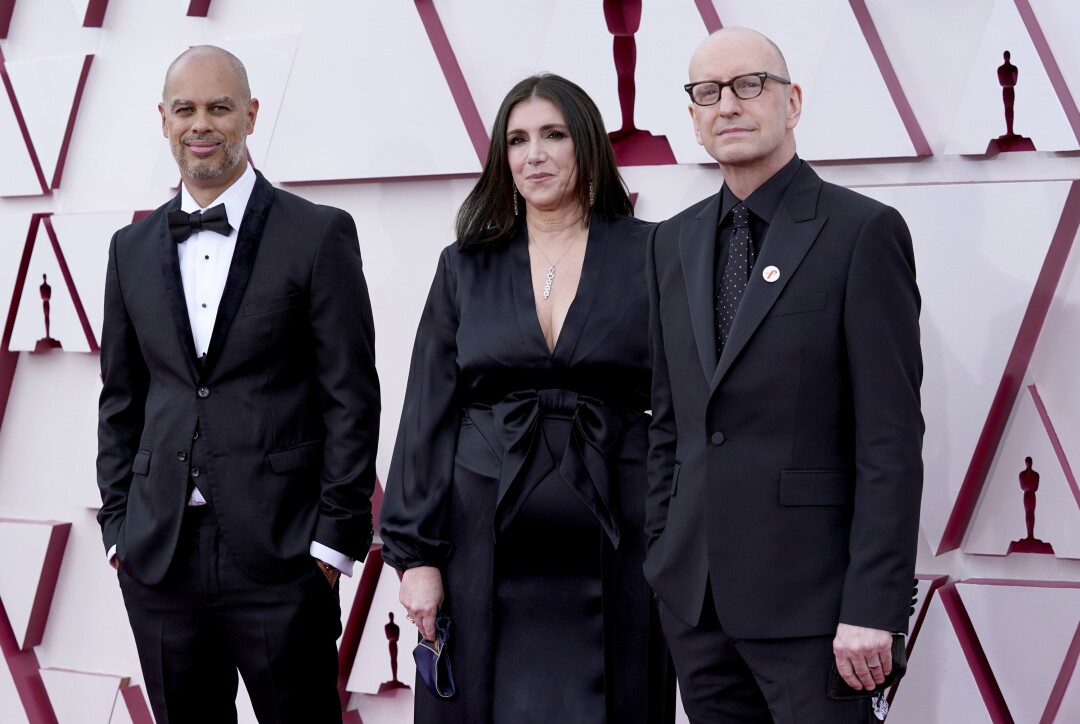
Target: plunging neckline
(578, 310)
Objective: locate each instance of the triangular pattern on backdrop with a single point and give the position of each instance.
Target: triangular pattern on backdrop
(10, 701)
(21, 175)
(932, 667)
(43, 86)
(1026, 629)
(81, 697)
(27, 590)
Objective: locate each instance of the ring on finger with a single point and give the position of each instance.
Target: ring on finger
(874, 666)
(409, 618)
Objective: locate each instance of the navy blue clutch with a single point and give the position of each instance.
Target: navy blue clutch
(433, 659)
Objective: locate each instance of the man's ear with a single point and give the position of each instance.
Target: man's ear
(252, 112)
(794, 106)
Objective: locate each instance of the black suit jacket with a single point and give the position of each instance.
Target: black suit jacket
(788, 471)
(286, 403)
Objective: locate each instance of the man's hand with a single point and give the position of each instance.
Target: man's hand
(421, 594)
(863, 655)
(331, 573)
(115, 563)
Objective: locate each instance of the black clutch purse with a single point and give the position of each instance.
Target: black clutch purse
(838, 688)
(433, 659)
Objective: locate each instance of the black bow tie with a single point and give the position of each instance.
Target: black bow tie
(182, 224)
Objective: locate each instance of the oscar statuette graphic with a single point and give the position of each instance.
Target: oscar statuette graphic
(1029, 483)
(1008, 74)
(393, 632)
(46, 343)
(633, 146)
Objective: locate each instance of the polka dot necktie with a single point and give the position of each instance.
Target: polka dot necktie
(737, 270)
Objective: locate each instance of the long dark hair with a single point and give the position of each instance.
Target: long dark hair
(487, 214)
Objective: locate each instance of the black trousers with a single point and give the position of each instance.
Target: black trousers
(208, 622)
(754, 681)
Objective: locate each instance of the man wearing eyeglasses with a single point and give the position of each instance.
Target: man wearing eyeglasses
(785, 464)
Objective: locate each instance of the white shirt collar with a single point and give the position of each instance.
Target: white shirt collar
(235, 198)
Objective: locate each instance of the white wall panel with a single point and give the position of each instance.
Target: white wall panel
(19, 177)
(975, 283)
(932, 46)
(1025, 631)
(566, 37)
(79, 697)
(351, 62)
(1059, 20)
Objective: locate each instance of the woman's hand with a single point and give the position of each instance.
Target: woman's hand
(421, 594)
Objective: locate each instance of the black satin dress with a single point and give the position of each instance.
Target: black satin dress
(520, 474)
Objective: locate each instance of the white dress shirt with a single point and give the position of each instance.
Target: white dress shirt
(206, 256)
(205, 259)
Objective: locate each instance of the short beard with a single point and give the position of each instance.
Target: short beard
(204, 170)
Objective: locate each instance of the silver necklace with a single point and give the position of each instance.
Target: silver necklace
(551, 269)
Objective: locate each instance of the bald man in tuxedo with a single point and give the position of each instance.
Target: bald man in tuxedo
(238, 422)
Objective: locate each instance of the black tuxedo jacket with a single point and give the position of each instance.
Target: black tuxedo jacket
(278, 425)
(788, 471)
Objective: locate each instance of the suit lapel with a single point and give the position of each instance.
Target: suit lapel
(697, 251)
(792, 232)
(243, 261)
(174, 286)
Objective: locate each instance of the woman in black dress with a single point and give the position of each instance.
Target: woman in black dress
(516, 494)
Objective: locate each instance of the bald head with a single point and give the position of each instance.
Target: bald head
(207, 113)
(734, 38)
(201, 52)
(750, 138)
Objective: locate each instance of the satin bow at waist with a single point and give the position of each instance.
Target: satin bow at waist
(584, 467)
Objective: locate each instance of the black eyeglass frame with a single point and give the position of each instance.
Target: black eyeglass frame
(762, 76)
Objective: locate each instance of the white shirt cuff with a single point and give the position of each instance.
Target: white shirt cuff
(325, 554)
(111, 554)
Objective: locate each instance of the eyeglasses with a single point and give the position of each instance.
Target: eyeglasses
(745, 87)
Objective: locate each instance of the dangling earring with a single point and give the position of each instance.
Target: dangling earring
(592, 195)
(514, 192)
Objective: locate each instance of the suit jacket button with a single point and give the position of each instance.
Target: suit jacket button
(717, 438)
(181, 456)
(203, 392)
(195, 472)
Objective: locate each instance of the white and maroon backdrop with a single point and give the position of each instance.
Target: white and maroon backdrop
(381, 107)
